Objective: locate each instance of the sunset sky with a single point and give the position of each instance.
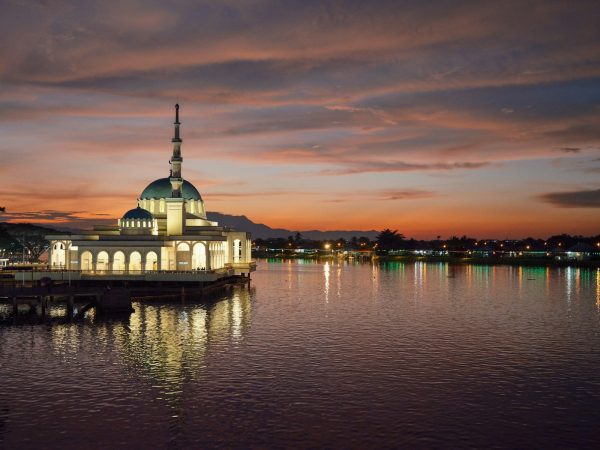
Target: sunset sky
(433, 118)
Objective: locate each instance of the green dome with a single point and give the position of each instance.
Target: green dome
(161, 188)
(138, 213)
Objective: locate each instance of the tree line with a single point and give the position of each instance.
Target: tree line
(390, 240)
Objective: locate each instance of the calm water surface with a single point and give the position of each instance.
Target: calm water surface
(321, 355)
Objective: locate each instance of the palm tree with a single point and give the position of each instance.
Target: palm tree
(389, 240)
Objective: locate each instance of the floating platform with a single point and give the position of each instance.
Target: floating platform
(110, 292)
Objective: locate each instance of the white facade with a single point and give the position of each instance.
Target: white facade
(168, 231)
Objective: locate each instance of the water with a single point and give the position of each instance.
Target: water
(321, 355)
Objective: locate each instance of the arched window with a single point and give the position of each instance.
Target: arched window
(151, 261)
(102, 261)
(237, 250)
(119, 261)
(87, 261)
(135, 262)
(199, 256)
(58, 255)
(183, 257)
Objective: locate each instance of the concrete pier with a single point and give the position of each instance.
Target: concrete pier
(113, 297)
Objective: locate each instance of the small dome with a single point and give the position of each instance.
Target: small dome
(161, 188)
(138, 213)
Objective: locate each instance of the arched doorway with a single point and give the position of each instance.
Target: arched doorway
(135, 262)
(237, 250)
(151, 261)
(102, 262)
(199, 256)
(119, 261)
(183, 256)
(59, 255)
(87, 261)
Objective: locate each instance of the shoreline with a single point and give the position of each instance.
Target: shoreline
(486, 261)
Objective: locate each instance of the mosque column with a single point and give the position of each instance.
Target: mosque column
(126, 258)
(243, 249)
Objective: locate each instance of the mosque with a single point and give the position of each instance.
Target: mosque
(167, 233)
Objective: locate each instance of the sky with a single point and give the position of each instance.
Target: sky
(434, 118)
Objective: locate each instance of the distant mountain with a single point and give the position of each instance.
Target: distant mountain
(263, 231)
(241, 223)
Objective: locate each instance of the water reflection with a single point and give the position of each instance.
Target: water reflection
(168, 343)
(326, 270)
(598, 289)
(164, 345)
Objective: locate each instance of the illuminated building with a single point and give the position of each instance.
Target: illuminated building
(167, 231)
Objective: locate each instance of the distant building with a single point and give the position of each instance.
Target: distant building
(580, 251)
(167, 231)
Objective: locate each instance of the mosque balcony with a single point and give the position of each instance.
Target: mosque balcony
(242, 268)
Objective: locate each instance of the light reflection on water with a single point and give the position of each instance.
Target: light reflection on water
(321, 354)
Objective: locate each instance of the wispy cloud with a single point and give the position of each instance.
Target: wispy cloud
(384, 195)
(400, 166)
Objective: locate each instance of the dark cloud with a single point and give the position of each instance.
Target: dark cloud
(573, 199)
(570, 149)
(44, 215)
(60, 219)
(406, 194)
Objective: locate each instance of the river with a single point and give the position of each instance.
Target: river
(320, 355)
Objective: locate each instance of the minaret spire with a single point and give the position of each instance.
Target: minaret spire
(176, 159)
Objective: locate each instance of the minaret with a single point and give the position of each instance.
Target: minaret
(176, 159)
(176, 203)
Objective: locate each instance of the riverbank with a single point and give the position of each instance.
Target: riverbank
(494, 261)
(488, 260)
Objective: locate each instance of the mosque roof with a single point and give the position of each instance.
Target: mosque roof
(161, 188)
(138, 213)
